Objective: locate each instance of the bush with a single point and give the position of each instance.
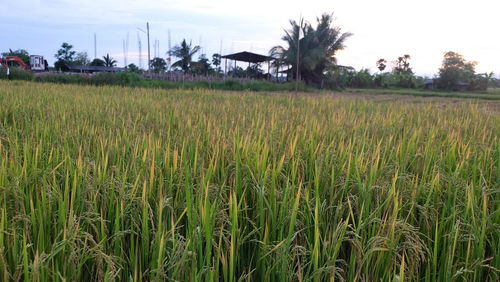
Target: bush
(134, 80)
(348, 77)
(480, 82)
(16, 74)
(230, 84)
(105, 78)
(362, 79)
(404, 79)
(129, 78)
(62, 78)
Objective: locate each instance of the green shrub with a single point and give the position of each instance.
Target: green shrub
(105, 78)
(135, 80)
(231, 84)
(16, 74)
(129, 78)
(62, 78)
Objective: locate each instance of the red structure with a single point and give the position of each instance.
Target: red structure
(10, 61)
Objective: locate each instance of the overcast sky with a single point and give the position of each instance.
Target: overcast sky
(387, 29)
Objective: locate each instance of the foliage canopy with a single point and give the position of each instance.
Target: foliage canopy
(317, 48)
(185, 52)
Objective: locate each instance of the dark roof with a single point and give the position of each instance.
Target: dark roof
(94, 68)
(285, 71)
(248, 57)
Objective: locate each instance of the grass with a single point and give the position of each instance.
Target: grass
(493, 91)
(491, 94)
(112, 183)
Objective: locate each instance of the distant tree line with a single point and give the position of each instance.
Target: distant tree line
(401, 75)
(312, 50)
(309, 51)
(67, 56)
(456, 72)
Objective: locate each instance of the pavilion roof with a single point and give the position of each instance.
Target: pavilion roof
(248, 57)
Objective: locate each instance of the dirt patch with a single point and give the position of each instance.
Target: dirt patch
(492, 107)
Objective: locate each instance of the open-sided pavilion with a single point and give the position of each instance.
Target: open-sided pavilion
(250, 58)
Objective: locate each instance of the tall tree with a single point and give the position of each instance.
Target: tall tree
(403, 64)
(65, 53)
(158, 65)
(381, 64)
(216, 61)
(81, 59)
(97, 62)
(379, 78)
(109, 61)
(288, 54)
(202, 66)
(64, 56)
(317, 49)
(455, 69)
(133, 68)
(402, 73)
(185, 52)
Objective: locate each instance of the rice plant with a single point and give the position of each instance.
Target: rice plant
(134, 184)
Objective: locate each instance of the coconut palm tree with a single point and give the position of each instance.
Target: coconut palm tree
(108, 61)
(288, 55)
(185, 52)
(317, 48)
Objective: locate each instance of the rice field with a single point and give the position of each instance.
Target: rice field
(131, 184)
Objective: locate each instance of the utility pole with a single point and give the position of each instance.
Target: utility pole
(149, 49)
(140, 50)
(125, 53)
(149, 53)
(154, 49)
(95, 46)
(169, 51)
(126, 50)
(297, 67)
(299, 36)
(220, 56)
